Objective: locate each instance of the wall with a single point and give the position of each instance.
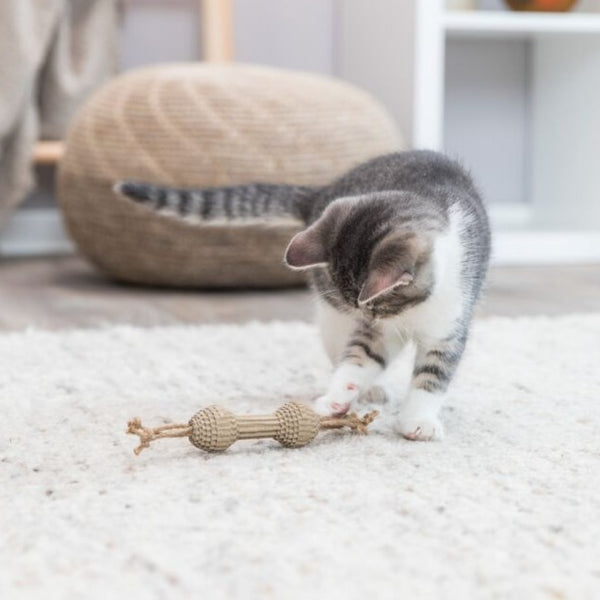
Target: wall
(294, 34)
(487, 90)
(158, 31)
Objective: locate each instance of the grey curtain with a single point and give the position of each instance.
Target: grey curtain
(52, 54)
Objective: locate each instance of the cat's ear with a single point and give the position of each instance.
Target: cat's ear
(306, 250)
(393, 264)
(383, 280)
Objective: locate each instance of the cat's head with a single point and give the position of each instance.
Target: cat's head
(366, 254)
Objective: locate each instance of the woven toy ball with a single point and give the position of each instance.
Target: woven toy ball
(215, 429)
(203, 125)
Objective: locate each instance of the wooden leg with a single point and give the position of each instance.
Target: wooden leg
(217, 29)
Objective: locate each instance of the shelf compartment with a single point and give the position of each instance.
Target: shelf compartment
(511, 24)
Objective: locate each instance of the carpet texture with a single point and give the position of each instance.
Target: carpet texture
(507, 506)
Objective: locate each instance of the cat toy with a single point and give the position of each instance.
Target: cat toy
(215, 429)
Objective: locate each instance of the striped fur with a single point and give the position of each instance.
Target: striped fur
(226, 203)
(366, 344)
(397, 250)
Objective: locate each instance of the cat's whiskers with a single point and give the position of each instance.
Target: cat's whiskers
(331, 292)
(401, 333)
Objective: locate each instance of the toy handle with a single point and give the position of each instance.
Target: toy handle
(254, 427)
(214, 429)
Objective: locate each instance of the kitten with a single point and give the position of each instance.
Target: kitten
(397, 251)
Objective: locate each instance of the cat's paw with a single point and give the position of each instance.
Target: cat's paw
(422, 427)
(337, 402)
(418, 419)
(376, 395)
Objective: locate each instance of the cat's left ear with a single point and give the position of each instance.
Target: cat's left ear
(393, 264)
(383, 280)
(306, 250)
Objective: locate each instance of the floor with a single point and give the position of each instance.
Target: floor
(65, 292)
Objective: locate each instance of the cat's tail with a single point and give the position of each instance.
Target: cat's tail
(222, 203)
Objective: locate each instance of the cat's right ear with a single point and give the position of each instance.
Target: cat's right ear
(305, 251)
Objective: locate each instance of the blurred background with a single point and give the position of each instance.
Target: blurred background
(513, 94)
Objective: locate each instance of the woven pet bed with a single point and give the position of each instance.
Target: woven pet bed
(207, 125)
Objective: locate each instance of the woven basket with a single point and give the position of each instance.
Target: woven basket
(207, 125)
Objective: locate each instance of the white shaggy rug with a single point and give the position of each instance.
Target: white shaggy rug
(507, 506)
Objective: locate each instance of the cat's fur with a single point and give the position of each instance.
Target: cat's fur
(397, 250)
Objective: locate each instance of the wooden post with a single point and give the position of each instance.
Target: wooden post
(48, 152)
(217, 29)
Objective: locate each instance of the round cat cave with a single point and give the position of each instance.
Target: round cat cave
(205, 125)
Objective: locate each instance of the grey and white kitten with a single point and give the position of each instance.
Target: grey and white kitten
(397, 251)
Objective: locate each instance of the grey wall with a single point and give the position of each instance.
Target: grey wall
(372, 44)
(158, 31)
(294, 34)
(486, 121)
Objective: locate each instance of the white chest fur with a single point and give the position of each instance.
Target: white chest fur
(437, 316)
(335, 327)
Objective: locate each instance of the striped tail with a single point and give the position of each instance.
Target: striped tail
(223, 203)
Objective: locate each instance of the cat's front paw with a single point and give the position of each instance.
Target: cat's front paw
(337, 402)
(418, 419)
(422, 426)
(424, 429)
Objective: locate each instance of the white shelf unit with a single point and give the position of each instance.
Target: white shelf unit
(556, 219)
(510, 24)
